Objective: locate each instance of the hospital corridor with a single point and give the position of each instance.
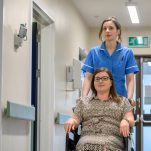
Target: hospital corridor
(44, 45)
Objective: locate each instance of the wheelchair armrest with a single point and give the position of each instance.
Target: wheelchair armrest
(71, 140)
(126, 143)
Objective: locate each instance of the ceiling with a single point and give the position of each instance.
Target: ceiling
(95, 11)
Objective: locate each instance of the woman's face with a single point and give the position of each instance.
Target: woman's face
(110, 32)
(102, 82)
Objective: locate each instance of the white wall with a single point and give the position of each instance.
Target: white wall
(71, 33)
(94, 37)
(126, 32)
(1, 33)
(16, 74)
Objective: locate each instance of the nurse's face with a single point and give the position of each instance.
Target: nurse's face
(110, 32)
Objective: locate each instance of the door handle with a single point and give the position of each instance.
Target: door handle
(137, 118)
(135, 122)
(144, 121)
(148, 122)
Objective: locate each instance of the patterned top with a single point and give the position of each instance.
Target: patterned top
(100, 123)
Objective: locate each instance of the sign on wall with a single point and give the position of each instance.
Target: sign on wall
(138, 41)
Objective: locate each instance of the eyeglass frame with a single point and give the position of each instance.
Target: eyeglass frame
(104, 78)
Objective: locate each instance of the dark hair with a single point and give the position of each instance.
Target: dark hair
(112, 92)
(116, 23)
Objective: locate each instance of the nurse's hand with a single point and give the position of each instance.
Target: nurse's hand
(132, 102)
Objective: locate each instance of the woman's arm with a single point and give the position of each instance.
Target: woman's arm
(126, 123)
(72, 123)
(130, 118)
(86, 84)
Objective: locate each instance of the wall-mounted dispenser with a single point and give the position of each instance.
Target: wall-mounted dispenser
(70, 74)
(21, 36)
(73, 74)
(77, 82)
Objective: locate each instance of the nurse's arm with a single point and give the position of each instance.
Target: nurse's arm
(130, 85)
(86, 84)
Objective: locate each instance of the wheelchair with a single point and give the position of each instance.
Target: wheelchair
(73, 137)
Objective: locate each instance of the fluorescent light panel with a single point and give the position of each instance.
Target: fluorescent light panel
(133, 14)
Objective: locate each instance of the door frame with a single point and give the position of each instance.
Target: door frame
(139, 105)
(46, 101)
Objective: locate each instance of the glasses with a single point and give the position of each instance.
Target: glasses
(104, 78)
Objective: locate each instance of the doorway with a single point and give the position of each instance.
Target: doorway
(42, 92)
(142, 112)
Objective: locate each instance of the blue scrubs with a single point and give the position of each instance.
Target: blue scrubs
(120, 63)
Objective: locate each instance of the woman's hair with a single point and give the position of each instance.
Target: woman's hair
(112, 92)
(116, 23)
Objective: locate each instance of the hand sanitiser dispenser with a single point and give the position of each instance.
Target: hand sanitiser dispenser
(70, 74)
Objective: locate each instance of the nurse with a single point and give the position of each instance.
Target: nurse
(113, 55)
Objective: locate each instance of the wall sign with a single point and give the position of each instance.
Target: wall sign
(138, 41)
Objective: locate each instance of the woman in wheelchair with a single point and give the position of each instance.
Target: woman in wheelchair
(105, 116)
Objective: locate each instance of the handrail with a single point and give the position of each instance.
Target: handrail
(19, 111)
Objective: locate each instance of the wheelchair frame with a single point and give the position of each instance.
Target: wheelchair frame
(72, 141)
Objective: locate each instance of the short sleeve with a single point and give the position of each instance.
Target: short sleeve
(127, 106)
(131, 65)
(88, 64)
(78, 109)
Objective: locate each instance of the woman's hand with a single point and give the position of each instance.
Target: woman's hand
(70, 125)
(124, 128)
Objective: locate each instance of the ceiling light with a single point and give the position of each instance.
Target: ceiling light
(132, 9)
(133, 14)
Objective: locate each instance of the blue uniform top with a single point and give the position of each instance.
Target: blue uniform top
(120, 63)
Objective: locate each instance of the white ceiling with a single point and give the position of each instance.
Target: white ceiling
(95, 11)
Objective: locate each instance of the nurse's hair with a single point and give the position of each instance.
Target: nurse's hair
(112, 92)
(117, 25)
